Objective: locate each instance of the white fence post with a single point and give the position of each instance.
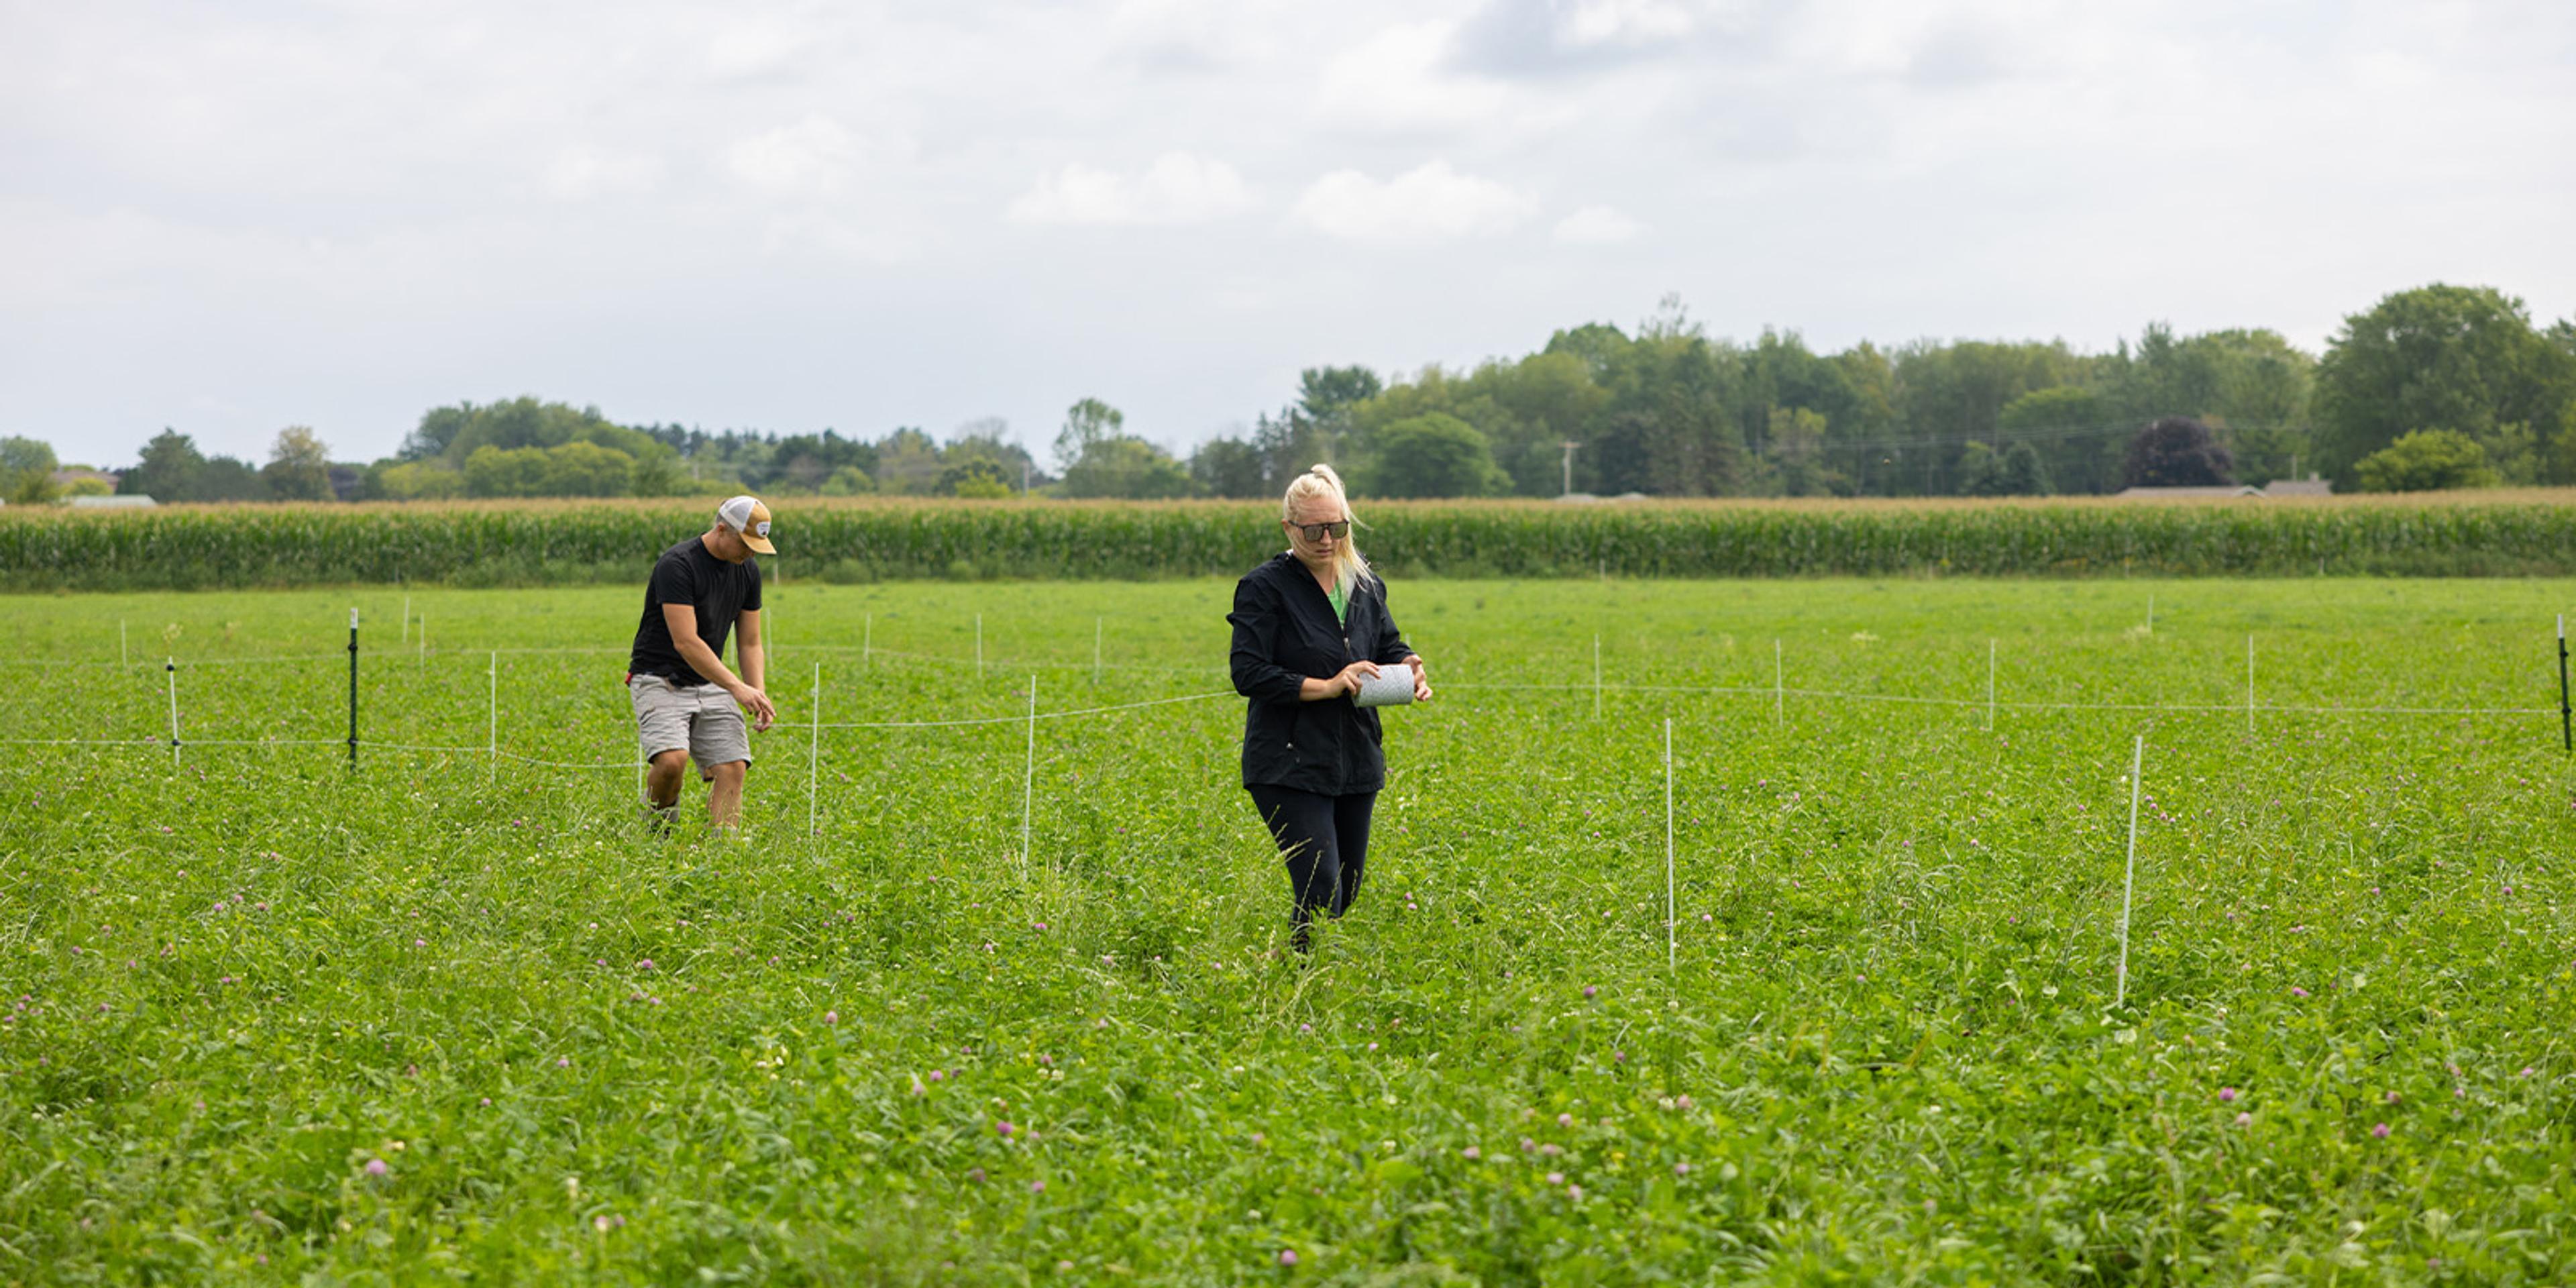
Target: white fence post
(813, 747)
(171, 666)
(1029, 778)
(1990, 686)
(1779, 689)
(1672, 950)
(2129, 882)
(492, 730)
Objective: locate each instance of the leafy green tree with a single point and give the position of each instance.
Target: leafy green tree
(582, 468)
(1670, 427)
(2460, 357)
(658, 473)
(2178, 452)
(2073, 433)
(299, 466)
(170, 469)
(1597, 345)
(907, 463)
(1796, 460)
(227, 478)
(800, 463)
(1126, 467)
(1102, 460)
(1229, 467)
(988, 439)
(1327, 396)
(975, 478)
(416, 481)
(27, 468)
(1980, 471)
(1856, 439)
(505, 471)
(849, 480)
(1433, 456)
(1953, 394)
(2024, 473)
(1087, 424)
(2265, 386)
(2426, 460)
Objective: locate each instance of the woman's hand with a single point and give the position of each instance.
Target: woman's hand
(1345, 681)
(1421, 678)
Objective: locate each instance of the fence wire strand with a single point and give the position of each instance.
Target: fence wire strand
(965, 722)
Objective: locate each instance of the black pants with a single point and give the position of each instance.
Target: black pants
(1324, 840)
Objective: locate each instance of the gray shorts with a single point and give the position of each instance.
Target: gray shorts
(701, 719)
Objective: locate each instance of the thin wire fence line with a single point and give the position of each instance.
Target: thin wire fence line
(569, 764)
(1776, 692)
(147, 664)
(1845, 695)
(997, 720)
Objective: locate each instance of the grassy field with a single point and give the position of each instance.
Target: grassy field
(458, 1017)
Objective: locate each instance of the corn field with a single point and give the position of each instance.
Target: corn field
(564, 543)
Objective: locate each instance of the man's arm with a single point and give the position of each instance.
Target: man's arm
(750, 649)
(683, 621)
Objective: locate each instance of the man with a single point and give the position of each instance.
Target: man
(684, 697)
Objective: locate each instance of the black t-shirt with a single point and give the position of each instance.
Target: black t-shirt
(720, 591)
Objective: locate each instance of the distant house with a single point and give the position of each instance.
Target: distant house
(112, 502)
(2309, 486)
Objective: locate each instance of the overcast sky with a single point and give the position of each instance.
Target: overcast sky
(228, 218)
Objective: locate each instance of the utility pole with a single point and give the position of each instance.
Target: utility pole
(1569, 445)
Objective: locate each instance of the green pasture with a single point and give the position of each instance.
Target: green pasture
(457, 1016)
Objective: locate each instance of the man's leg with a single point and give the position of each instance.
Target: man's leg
(662, 726)
(724, 793)
(722, 744)
(662, 780)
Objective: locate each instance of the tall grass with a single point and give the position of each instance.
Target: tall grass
(561, 543)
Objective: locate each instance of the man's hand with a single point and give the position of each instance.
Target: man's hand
(763, 713)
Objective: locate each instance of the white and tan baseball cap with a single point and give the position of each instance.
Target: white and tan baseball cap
(746, 515)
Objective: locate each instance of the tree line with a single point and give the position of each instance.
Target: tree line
(2438, 386)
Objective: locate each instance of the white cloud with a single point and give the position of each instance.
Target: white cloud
(583, 173)
(816, 157)
(1587, 23)
(1398, 79)
(751, 51)
(1177, 189)
(1429, 203)
(1596, 226)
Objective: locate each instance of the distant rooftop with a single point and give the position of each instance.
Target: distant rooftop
(2309, 486)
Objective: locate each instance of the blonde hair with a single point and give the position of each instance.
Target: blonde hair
(1321, 483)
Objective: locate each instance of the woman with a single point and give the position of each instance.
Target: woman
(1310, 627)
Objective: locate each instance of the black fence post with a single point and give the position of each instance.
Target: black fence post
(2566, 727)
(353, 689)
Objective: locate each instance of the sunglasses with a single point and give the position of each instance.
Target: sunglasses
(1318, 531)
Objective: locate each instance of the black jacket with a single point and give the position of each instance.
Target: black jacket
(1285, 633)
